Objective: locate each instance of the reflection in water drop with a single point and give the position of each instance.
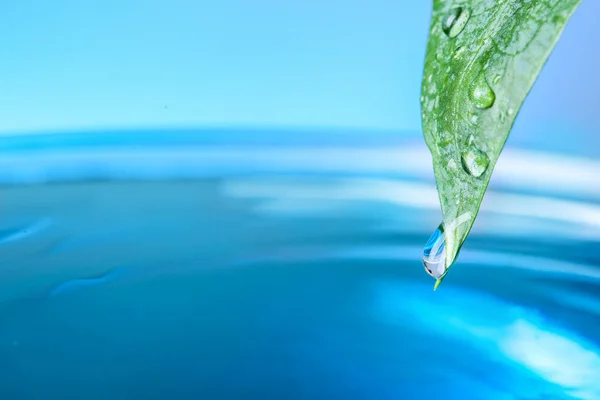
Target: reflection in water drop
(434, 253)
(482, 94)
(475, 161)
(455, 20)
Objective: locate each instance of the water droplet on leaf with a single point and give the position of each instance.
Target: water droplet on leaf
(434, 253)
(443, 53)
(455, 20)
(475, 161)
(458, 53)
(482, 94)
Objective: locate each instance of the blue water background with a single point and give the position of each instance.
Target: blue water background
(233, 264)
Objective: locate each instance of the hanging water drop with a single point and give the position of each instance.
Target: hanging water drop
(474, 161)
(482, 94)
(434, 253)
(455, 20)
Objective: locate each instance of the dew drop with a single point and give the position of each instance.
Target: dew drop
(496, 80)
(434, 253)
(482, 94)
(475, 161)
(458, 53)
(455, 20)
(443, 53)
(502, 117)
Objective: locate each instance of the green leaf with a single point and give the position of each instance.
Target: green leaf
(483, 57)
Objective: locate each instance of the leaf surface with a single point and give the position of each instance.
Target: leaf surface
(483, 57)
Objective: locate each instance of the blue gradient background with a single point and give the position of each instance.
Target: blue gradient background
(72, 64)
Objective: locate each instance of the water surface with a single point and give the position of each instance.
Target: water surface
(163, 265)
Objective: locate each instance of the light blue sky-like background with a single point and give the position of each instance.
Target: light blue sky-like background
(77, 64)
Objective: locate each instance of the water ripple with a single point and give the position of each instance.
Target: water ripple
(515, 333)
(75, 285)
(25, 231)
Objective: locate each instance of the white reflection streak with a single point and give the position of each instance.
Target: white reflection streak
(489, 324)
(516, 168)
(417, 195)
(554, 357)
